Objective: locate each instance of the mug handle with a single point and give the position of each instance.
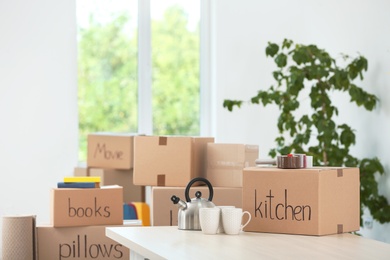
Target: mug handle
(249, 219)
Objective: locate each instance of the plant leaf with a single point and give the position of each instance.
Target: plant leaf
(230, 104)
(281, 60)
(271, 49)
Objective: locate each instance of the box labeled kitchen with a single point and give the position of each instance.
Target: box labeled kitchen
(169, 160)
(88, 242)
(309, 201)
(83, 207)
(110, 150)
(225, 163)
(124, 178)
(165, 213)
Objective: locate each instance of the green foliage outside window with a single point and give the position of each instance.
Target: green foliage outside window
(107, 77)
(175, 57)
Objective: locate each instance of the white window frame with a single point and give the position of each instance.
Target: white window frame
(145, 118)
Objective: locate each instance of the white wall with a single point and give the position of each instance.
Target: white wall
(242, 30)
(38, 102)
(38, 98)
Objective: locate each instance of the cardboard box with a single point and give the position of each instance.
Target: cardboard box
(83, 207)
(124, 178)
(310, 201)
(169, 161)
(78, 243)
(225, 163)
(110, 150)
(164, 212)
(80, 170)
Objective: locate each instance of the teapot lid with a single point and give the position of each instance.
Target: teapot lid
(200, 202)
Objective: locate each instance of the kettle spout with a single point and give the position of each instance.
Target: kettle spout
(181, 204)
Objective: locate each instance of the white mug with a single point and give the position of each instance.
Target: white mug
(209, 220)
(232, 220)
(220, 228)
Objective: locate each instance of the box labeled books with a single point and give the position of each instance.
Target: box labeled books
(84, 207)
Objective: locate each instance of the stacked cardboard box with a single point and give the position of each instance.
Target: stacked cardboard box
(79, 217)
(85, 242)
(87, 206)
(165, 213)
(110, 150)
(111, 156)
(225, 162)
(124, 178)
(308, 201)
(169, 163)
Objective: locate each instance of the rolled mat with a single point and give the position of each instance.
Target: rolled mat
(18, 238)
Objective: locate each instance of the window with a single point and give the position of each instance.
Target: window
(138, 63)
(175, 67)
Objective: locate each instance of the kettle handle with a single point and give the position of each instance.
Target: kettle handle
(187, 191)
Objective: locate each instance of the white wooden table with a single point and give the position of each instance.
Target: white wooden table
(170, 243)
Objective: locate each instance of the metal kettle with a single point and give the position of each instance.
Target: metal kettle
(188, 215)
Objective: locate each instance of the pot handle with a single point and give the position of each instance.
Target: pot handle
(187, 191)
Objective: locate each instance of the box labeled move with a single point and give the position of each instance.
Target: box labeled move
(110, 150)
(165, 213)
(310, 201)
(225, 163)
(169, 161)
(124, 178)
(88, 242)
(83, 207)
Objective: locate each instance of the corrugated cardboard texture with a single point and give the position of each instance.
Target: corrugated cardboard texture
(344, 189)
(124, 178)
(168, 161)
(312, 201)
(110, 150)
(78, 243)
(83, 207)
(225, 163)
(164, 212)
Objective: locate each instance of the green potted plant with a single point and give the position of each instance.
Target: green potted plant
(314, 131)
